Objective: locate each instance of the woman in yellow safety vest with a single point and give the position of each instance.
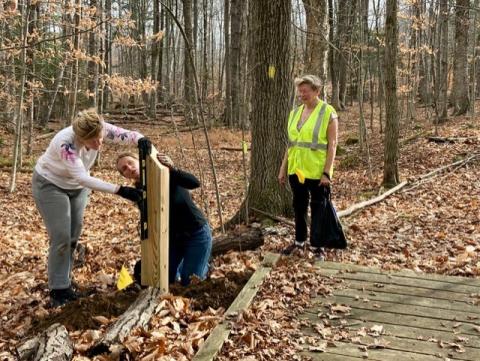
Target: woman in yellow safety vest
(308, 160)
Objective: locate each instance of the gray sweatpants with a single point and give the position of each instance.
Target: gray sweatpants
(62, 213)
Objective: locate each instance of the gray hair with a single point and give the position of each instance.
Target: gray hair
(312, 80)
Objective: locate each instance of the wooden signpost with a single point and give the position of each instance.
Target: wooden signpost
(154, 219)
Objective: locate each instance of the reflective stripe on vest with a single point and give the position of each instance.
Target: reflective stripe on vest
(314, 143)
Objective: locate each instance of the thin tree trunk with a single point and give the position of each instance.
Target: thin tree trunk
(152, 109)
(460, 60)
(228, 79)
(332, 57)
(390, 173)
(316, 41)
(17, 145)
(92, 65)
(442, 77)
(189, 86)
(237, 9)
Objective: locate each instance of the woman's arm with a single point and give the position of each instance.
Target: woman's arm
(114, 134)
(184, 179)
(75, 167)
(332, 137)
(282, 173)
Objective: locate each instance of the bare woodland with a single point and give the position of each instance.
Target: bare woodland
(210, 82)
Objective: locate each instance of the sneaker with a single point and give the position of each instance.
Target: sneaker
(60, 297)
(294, 246)
(319, 253)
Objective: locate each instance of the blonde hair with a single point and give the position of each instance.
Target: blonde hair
(312, 80)
(87, 124)
(123, 155)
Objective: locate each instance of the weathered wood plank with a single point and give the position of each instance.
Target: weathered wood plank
(155, 249)
(413, 300)
(401, 281)
(217, 337)
(406, 320)
(401, 273)
(377, 287)
(401, 309)
(409, 332)
(434, 348)
(322, 356)
(351, 350)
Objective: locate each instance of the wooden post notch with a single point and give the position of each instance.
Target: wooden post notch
(154, 219)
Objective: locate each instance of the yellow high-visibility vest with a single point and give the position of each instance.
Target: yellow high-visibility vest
(307, 147)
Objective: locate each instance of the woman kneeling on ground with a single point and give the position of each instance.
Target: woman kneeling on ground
(190, 238)
(61, 185)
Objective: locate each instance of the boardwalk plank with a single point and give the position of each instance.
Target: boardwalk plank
(401, 273)
(410, 300)
(459, 299)
(401, 281)
(427, 347)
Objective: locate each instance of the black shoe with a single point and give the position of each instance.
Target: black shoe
(60, 297)
(294, 246)
(319, 253)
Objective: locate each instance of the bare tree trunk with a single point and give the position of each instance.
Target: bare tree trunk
(390, 173)
(236, 96)
(332, 57)
(270, 102)
(473, 82)
(17, 145)
(108, 52)
(442, 72)
(152, 110)
(316, 40)
(92, 65)
(75, 70)
(228, 79)
(189, 86)
(460, 60)
(205, 50)
(424, 73)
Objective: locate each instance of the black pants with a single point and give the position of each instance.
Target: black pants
(301, 198)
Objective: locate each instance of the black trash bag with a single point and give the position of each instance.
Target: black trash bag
(328, 232)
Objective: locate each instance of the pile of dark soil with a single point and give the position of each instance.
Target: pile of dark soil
(79, 315)
(214, 293)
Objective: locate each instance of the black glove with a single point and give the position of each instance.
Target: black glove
(130, 193)
(144, 143)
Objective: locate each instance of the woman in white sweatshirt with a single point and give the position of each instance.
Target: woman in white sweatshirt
(61, 185)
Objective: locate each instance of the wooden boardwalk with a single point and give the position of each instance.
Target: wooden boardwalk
(419, 316)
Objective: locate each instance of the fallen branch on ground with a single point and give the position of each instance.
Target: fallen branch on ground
(46, 135)
(251, 239)
(52, 344)
(233, 149)
(451, 139)
(137, 315)
(358, 206)
(369, 202)
(275, 218)
(434, 173)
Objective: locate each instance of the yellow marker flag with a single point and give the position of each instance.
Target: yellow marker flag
(124, 279)
(244, 147)
(300, 175)
(271, 71)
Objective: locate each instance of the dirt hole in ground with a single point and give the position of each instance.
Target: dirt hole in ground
(79, 315)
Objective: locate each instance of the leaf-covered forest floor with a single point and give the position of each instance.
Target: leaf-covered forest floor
(434, 227)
